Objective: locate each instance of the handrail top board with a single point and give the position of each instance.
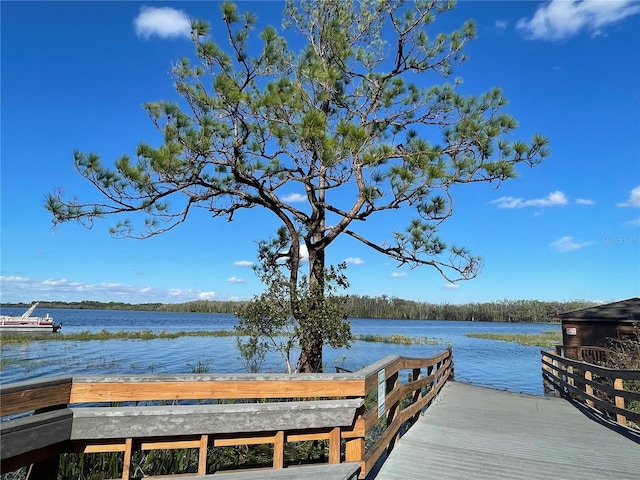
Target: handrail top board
(604, 371)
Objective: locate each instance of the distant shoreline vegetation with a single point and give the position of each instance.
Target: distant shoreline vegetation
(381, 307)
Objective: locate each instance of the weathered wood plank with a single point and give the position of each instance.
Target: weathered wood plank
(34, 395)
(340, 471)
(141, 422)
(220, 389)
(28, 434)
(474, 432)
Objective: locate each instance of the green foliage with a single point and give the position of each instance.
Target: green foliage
(499, 311)
(550, 338)
(203, 365)
(369, 307)
(85, 336)
(399, 339)
(290, 313)
(624, 354)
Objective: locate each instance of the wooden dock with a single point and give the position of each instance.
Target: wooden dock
(479, 433)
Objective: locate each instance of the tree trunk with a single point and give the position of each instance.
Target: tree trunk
(310, 360)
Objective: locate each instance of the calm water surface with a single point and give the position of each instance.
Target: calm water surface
(491, 363)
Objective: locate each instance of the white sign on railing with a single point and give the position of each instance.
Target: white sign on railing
(382, 392)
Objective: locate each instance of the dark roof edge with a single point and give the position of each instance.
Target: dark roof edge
(622, 310)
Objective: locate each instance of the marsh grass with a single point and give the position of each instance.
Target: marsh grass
(119, 335)
(548, 338)
(400, 339)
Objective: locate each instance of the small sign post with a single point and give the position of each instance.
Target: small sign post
(382, 392)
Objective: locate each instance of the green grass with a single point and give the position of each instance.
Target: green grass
(548, 338)
(107, 335)
(399, 339)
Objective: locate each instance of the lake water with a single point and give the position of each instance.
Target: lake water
(501, 365)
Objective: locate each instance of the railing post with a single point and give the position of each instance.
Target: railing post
(417, 394)
(354, 449)
(618, 384)
(570, 379)
(126, 464)
(334, 445)
(588, 389)
(278, 450)
(392, 384)
(202, 455)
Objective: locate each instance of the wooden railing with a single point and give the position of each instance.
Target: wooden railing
(595, 386)
(46, 418)
(587, 354)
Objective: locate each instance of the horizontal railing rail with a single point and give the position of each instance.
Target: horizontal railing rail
(587, 354)
(596, 386)
(360, 415)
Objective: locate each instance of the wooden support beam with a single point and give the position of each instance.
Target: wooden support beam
(278, 450)
(114, 447)
(618, 384)
(170, 445)
(334, 445)
(202, 455)
(126, 466)
(354, 449)
(588, 388)
(244, 440)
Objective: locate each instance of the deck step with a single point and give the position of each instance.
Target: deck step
(339, 471)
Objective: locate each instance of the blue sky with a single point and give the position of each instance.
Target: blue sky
(75, 74)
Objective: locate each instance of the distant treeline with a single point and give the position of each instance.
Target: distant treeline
(369, 307)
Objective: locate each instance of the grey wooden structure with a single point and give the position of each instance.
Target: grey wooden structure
(478, 433)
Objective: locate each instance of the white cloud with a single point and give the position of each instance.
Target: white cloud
(52, 282)
(15, 289)
(234, 280)
(551, 200)
(206, 295)
(165, 22)
(559, 19)
(634, 199)
(304, 253)
(243, 263)
(633, 223)
(293, 198)
(398, 274)
(500, 26)
(354, 261)
(568, 244)
(584, 201)
(450, 285)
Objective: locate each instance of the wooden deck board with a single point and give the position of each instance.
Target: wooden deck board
(475, 432)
